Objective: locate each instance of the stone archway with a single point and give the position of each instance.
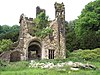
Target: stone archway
(34, 50)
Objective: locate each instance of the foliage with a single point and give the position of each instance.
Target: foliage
(88, 55)
(87, 27)
(5, 45)
(50, 72)
(5, 28)
(13, 66)
(2, 63)
(41, 21)
(9, 32)
(44, 32)
(31, 71)
(84, 32)
(71, 39)
(41, 28)
(21, 68)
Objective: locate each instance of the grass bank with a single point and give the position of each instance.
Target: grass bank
(86, 56)
(50, 72)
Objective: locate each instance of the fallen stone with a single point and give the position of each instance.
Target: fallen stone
(74, 69)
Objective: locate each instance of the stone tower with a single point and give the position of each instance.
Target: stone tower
(60, 16)
(54, 44)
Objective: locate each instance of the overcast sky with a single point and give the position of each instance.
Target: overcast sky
(10, 10)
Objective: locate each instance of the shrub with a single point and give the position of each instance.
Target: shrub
(5, 44)
(13, 66)
(2, 63)
(89, 55)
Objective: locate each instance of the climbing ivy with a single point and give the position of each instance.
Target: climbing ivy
(44, 32)
(41, 28)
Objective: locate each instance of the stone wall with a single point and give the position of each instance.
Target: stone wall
(26, 25)
(51, 44)
(55, 44)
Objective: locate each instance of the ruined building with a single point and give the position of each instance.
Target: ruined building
(32, 47)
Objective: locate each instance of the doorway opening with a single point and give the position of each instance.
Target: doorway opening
(34, 50)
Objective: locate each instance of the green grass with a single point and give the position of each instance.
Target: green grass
(21, 68)
(14, 66)
(24, 70)
(50, 72)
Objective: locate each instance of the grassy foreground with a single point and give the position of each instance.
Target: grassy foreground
(37, 71)
(50, 72)
(86, 56)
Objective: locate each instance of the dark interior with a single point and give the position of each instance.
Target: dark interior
(34, 51)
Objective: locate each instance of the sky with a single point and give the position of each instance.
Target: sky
(10, 10)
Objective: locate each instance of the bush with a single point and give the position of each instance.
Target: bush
(13, 66)
(88, 55)
(5, 44)
(2, 63)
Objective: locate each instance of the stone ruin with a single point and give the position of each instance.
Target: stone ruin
(31, 47)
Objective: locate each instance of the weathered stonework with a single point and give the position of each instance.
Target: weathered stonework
(51, 47)
(39, 10)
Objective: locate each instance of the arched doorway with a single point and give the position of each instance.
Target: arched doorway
(34, 50)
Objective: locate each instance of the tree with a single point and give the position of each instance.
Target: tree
(9, 32)
(41, 28)
(71, 40)
(87, 27)
(5, 28)
(5, 45)
(41, 21)
(1, 30)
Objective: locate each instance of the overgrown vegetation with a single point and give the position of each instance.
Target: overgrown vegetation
(44, 32)
(84, 32)
(22, 67)
(8, 35)
(9, 32)
(41, 28)
(72, 42)
(87, 27)
(86, 55)
(13, 66)
(5, 45)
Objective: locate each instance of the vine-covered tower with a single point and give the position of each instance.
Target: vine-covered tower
(60, 16)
